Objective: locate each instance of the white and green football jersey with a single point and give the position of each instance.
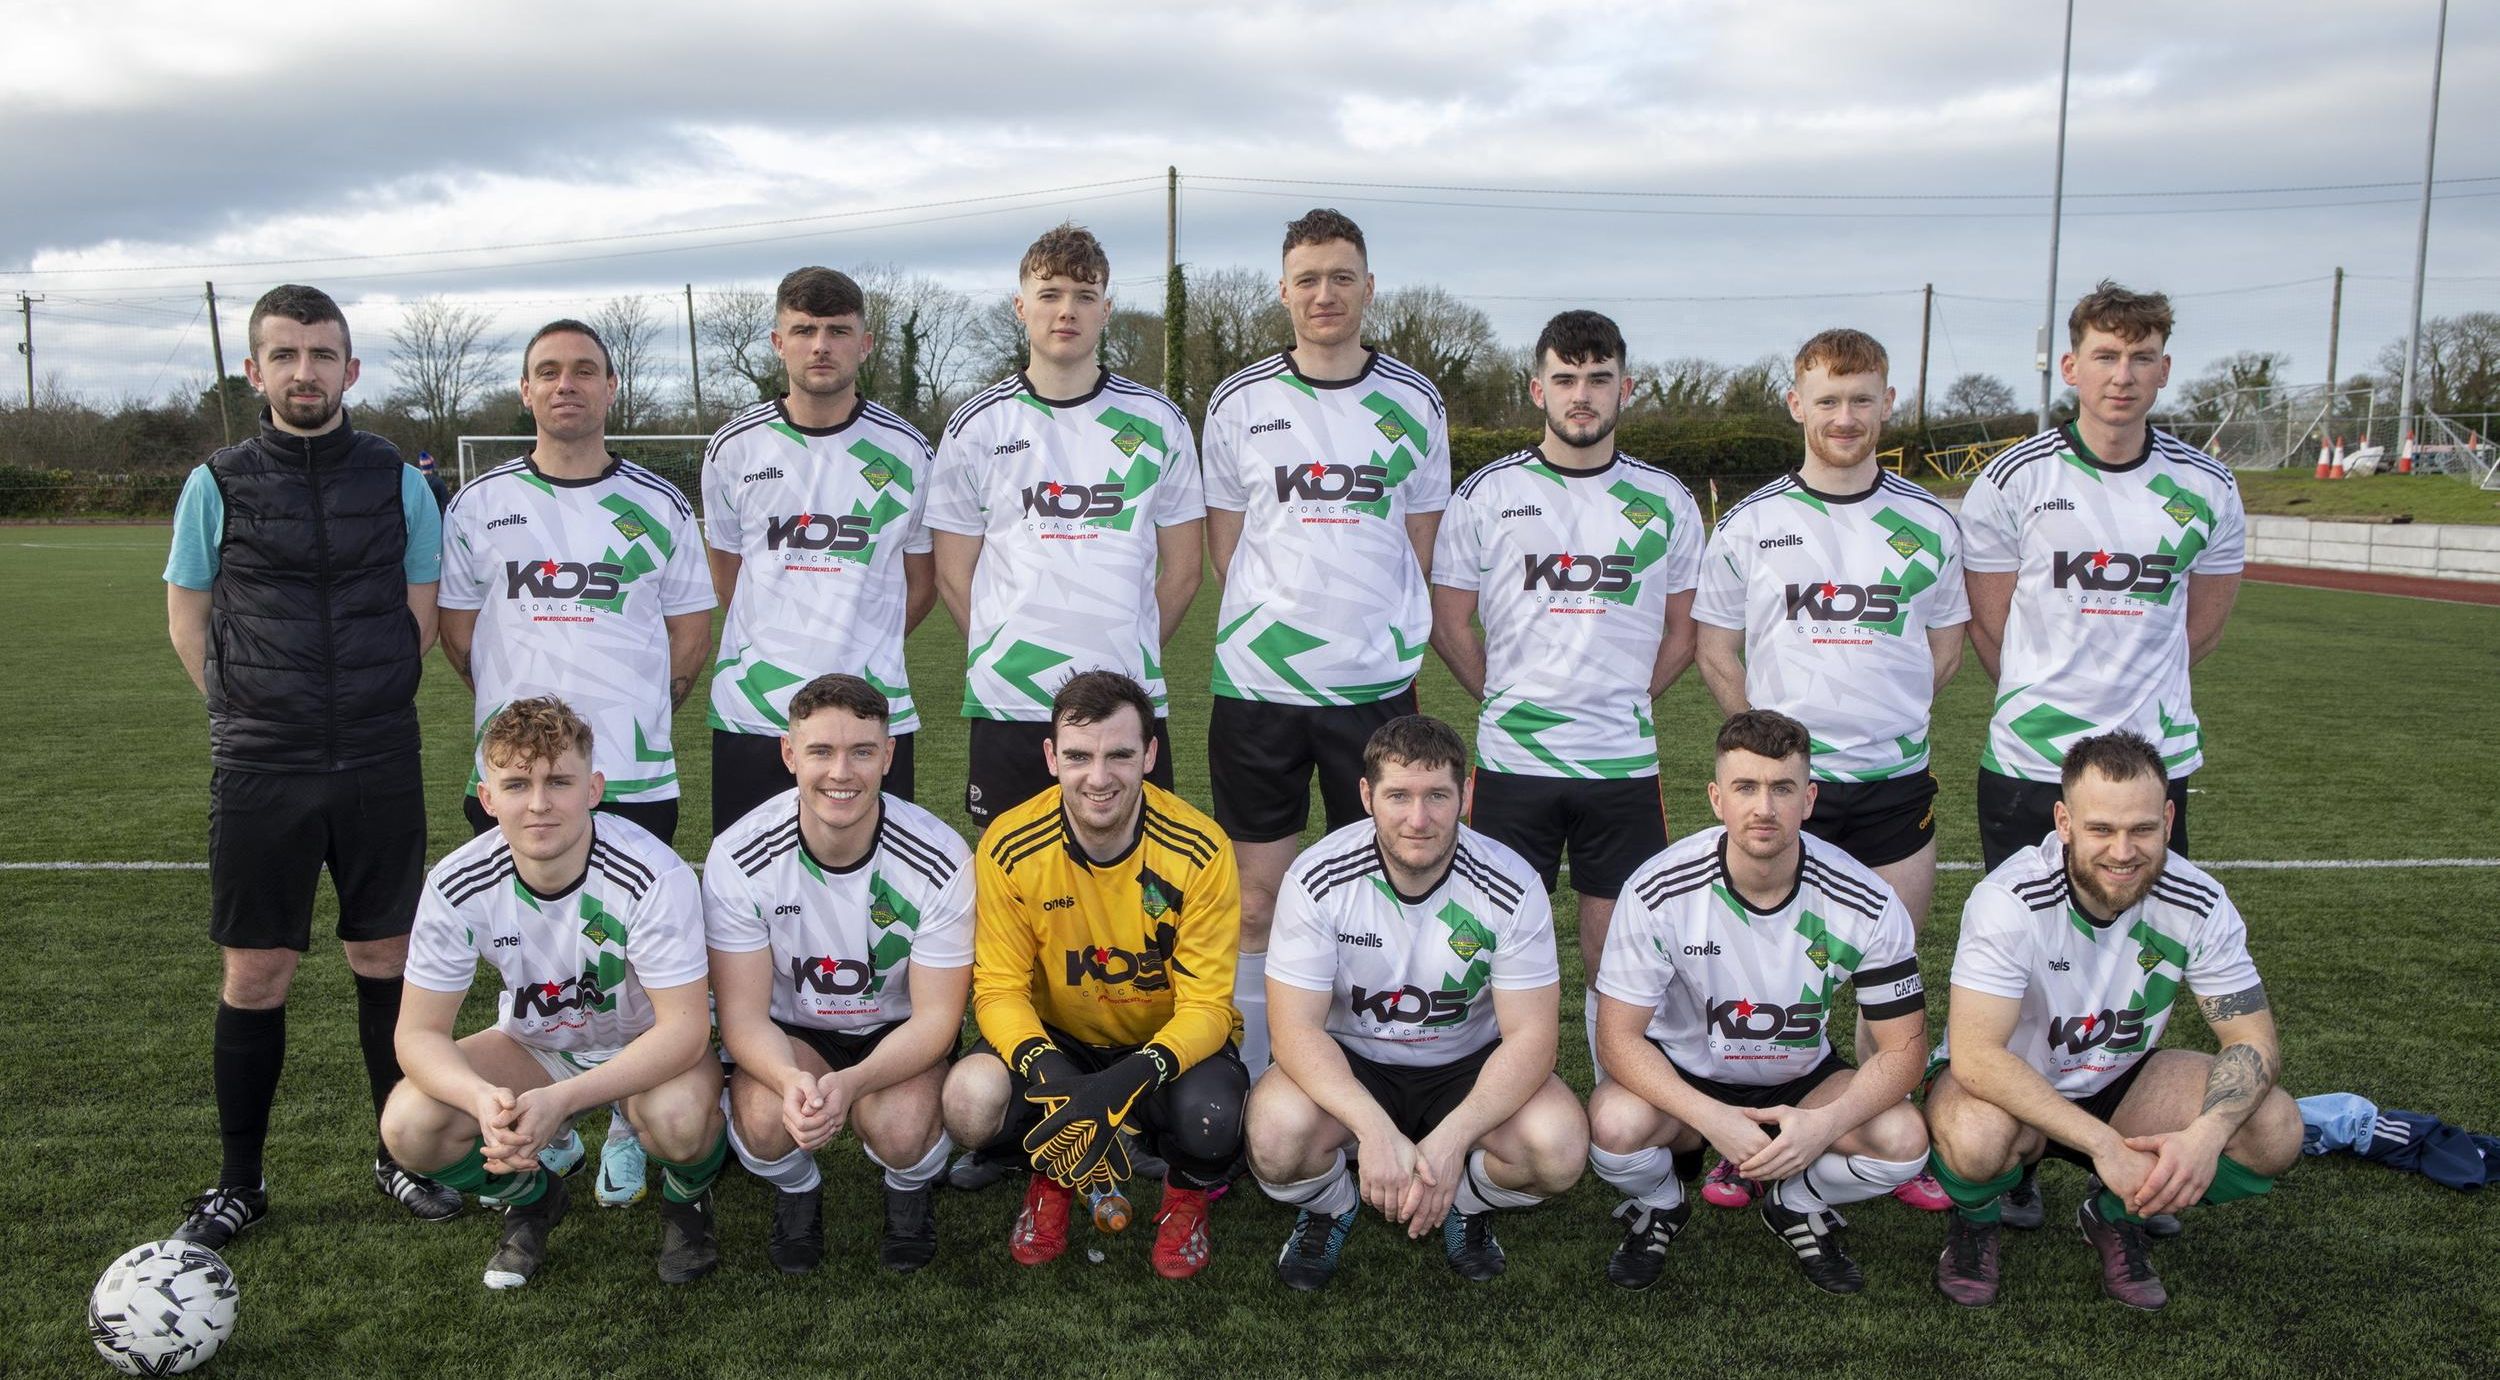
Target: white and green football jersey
(1408, 974)
(574, 965)
(2096, 993)
(1742, 995)
(1067, 498)
(573, 581)
(1325, 602)
(820, 521)
(2097, 638)
(1572, 571)
(843, 939)
(1835, 594)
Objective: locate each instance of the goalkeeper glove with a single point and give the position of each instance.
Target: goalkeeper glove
(1077, 1141)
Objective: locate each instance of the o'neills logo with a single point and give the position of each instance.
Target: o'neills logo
(508, 520)
(1367, 941)
(1792, 539)
(768, 472)
(1011, 447)
(1530, 510)
(1280, 424)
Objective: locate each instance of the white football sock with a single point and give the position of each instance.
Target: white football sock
(1250, 996)
(918, 1175)
(795, 1172)
(1329, 1193)
(1478, 1193)
(1647, 1176)
(1837, 1178)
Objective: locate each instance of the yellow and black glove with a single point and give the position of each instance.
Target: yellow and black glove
(1077, 1142)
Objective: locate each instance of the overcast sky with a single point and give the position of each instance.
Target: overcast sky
(151, 146)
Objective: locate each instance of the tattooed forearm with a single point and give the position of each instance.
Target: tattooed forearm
(2231, 1005)
(678, 688)
(2239, 1078)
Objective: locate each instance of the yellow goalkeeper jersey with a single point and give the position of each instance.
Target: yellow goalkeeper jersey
(1137, 949)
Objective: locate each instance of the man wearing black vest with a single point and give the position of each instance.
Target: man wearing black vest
(300, 597)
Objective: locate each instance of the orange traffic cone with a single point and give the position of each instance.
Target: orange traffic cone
(2335, 467)
(2322, 453)
(2404, 458)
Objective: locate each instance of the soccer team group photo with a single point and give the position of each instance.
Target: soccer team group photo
(1116, 1003)
(1193, 691)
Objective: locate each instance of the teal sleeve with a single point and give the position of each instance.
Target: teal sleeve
(424, 561)
(199, 529)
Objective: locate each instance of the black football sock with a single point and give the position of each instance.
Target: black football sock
(249, 1052)
(377, 1029)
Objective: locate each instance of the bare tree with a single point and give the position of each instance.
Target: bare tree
(2460, 363)
(995, 341)
(443, 358)
(1687, 386)
(631, 327)
(734, 330)
(1234, 318)
(1978, 395)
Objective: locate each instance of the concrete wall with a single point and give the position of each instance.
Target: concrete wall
(2433, 550)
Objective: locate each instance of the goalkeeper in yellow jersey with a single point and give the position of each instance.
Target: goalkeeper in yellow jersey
(1108, 923)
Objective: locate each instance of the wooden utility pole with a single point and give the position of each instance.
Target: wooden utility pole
(694, 358)
(217, 354)
(1175, 341)
(1926, 325)
(26, 347)
(2334, 338)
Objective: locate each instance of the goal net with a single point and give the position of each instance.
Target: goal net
(677, 459)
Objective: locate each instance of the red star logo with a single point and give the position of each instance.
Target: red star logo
(1054, 490)
(1830, 590)
(1318, 470)
(806, 518)
(546, 567)
(824, 965)
(1743, 1008)
(1565, 561)
(1102, 955)
(2099, 559)
(2089, 1022)
(548, 989)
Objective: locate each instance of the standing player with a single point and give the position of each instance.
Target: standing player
(299, 595)
(596, 929)
(811, 508)
(1108, 920)
(840, 923)
(1580, 562)
(1066, 515)
(572, 572)
(1389, 933)
(2071, 957)
(1834, 595)
(1713, 1012)
(1327, 467)
(2103, 560)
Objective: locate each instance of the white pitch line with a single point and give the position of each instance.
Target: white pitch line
(2224, 865)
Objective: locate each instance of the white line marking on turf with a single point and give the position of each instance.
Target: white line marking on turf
(88, 546)
(2223, 865)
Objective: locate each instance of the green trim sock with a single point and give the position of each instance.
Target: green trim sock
(685, 1182)
(469, 1174)
(2234, 1181)
(1983, 1201)
(2112, 1210)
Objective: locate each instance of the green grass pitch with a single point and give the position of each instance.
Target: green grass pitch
(2343, 726)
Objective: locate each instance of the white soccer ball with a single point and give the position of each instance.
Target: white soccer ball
(162, 1308)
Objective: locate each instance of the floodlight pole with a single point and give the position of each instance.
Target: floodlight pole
(2057, 212)
(2422, 237)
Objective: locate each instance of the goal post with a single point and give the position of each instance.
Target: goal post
(677, 459)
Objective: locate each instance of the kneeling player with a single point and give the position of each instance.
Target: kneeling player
(596, 928)
(840, 921)
(1388, 934)
(1714, 1005)
(1108, 920)
(2071, 955)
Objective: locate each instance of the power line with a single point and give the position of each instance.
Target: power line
(1845, 215)
(1833, 196)
(586, 239)
(565, 260)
